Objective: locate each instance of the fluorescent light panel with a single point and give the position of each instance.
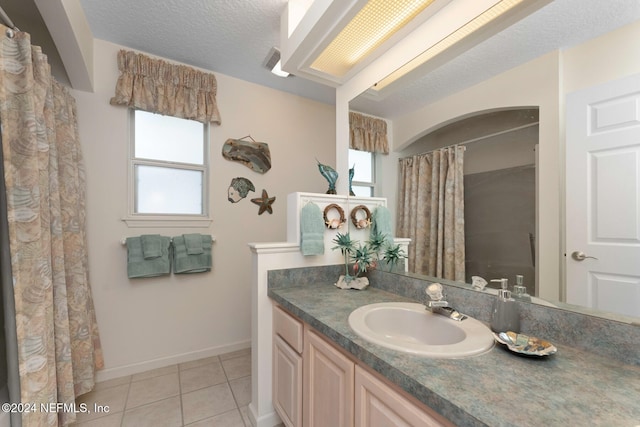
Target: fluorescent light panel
(376, 22)
(466, 30)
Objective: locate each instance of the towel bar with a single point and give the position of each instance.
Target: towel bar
(123, 241)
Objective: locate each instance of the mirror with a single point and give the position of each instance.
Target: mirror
(475, 92)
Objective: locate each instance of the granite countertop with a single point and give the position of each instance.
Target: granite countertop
(498, 388)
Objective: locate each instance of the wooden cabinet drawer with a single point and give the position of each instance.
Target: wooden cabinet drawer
(288, 327)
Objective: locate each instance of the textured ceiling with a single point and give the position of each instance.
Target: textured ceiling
(234, 37)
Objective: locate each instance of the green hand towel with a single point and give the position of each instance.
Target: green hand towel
(151, 246)
(381, 223)
(185, 263)
(193, 243)
(311, 230)
(139, 267)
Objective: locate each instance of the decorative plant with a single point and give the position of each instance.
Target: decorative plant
(362, 257)
(366, 256)
(392, 255)
(376, 243)
(347, 247)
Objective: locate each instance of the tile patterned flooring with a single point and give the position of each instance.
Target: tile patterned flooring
(211, 392)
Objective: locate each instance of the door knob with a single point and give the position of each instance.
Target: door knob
(581, 256)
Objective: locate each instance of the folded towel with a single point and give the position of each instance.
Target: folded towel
(151, 246)
(138, 266)
(381, 223)
(311, 230)
(194, 243)
(197, 263)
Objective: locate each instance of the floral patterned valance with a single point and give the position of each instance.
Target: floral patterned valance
(368, 133)
(157, 86)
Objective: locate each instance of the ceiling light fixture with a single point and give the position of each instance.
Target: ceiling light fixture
(480, 21)
(374, 24)
(336, 40)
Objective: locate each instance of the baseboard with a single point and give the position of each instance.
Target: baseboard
(136, 368)
(269, 420)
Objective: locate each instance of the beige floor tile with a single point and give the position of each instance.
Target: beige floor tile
(237, 367)
(164, 413)
(155, 373)
(111, 420)
(206, 403)
(153, 389)
(113, 397)
(228, 419)
(201, 377)
(243, 352)
(241, 389)
(199, 362)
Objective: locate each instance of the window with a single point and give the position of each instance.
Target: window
(364, 177)
(168, 167)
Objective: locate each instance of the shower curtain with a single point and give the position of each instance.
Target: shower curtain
(58, 347)
(431, 212)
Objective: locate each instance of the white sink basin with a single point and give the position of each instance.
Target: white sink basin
(410, 328)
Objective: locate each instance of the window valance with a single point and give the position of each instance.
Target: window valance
(157, 86)
(368, 133)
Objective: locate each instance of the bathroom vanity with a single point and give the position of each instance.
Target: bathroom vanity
(320, 381)
(312, 337)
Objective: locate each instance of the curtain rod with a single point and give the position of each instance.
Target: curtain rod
(5, 18)
(480, 138)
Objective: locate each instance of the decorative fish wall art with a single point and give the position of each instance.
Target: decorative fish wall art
(239, 189)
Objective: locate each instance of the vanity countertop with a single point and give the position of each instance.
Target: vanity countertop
(498, 388)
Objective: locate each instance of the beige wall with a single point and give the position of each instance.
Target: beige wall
(147, 323)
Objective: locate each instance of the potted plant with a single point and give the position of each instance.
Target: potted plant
(364, 257)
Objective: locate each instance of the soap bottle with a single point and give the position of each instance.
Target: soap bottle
(520, 291)
(505, 316)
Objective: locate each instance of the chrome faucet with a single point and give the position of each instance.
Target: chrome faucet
(437, 305)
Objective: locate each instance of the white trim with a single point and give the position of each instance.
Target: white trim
(168, 221)
(136, 368)
(267, 420)
(271, 248)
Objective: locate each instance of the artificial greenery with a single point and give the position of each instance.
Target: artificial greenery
(366, 256)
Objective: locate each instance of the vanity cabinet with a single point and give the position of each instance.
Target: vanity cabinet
(328, 384)
(379, 405)
(287, 367)
(317, 384)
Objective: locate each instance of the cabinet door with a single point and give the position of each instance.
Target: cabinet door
(328, 384)
(378, 405)
(287, 383)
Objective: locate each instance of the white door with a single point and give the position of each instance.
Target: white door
(603, 197)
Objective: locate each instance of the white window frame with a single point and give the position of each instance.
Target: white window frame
(371, 184)
(134, 219)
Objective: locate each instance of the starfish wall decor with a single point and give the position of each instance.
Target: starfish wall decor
(264, 202)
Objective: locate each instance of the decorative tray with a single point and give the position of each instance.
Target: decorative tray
(524, 344)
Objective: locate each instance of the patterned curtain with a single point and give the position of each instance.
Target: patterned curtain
(368, 133)
(58, 343)
(174, 90)
(431, 212)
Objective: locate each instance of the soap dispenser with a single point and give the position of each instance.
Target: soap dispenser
(504, 314)
(520, 291)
